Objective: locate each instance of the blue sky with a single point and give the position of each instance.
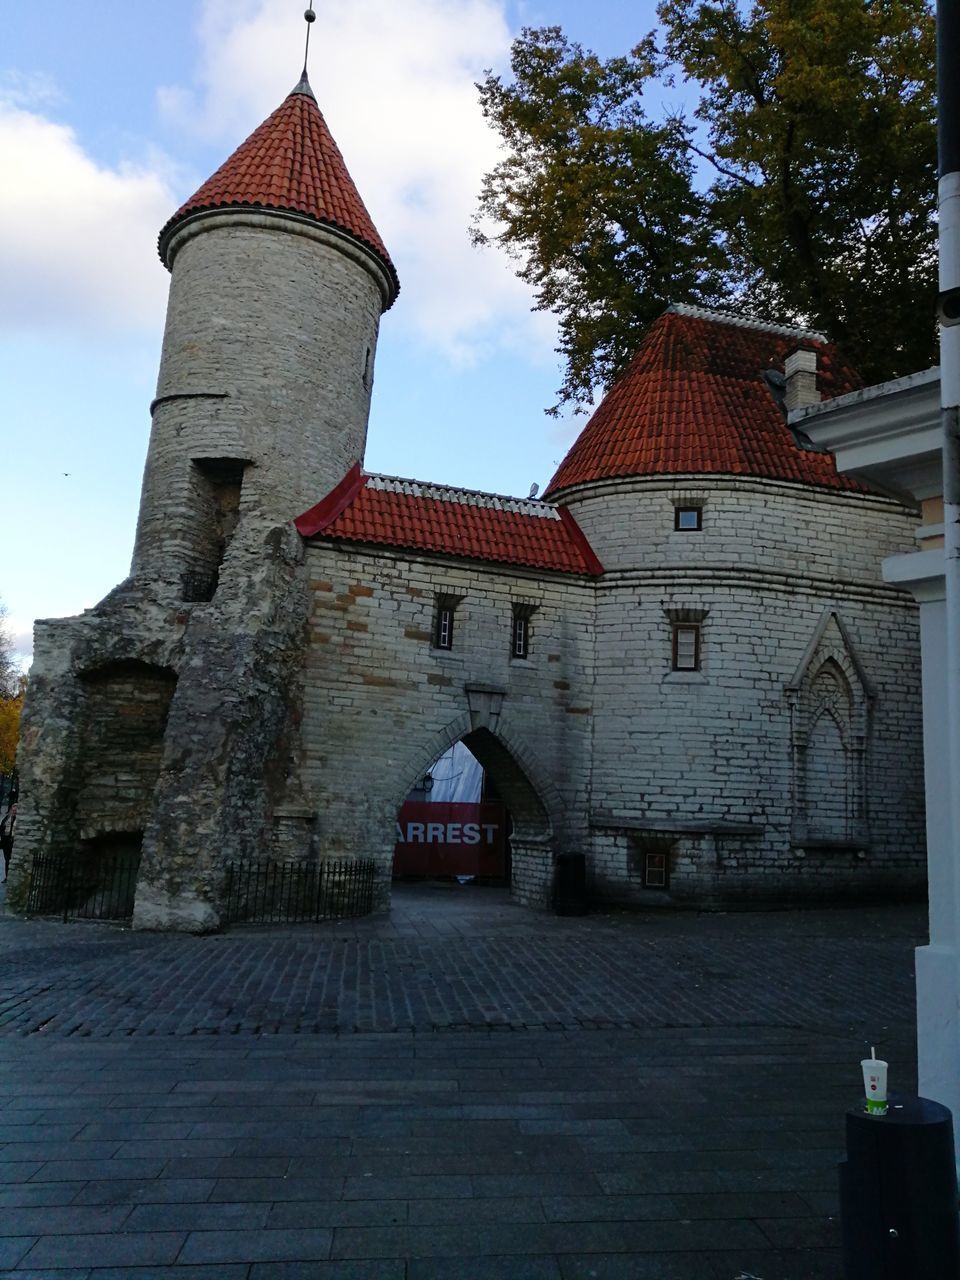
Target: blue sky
(107, 126)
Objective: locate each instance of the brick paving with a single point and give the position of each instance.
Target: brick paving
(461, 1090)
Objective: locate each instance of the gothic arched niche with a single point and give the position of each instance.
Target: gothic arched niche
(830, 699)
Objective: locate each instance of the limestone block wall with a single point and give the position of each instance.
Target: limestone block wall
(97, 702)
(124, 719)
(267, 360)
(381, 702)
(716, 763)
(194, 778)
(756, 526)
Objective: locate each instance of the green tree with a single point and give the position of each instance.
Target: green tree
(816, 138)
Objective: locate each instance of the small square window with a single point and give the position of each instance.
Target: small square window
(687, 518)
(686, 647)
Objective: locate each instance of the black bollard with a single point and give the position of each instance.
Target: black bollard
(898, 1194)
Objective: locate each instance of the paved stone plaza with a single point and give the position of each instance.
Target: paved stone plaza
(461, 1090)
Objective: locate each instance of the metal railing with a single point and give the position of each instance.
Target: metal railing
(83, 888)
(288, 893)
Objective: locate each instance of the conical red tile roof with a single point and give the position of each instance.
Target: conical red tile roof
(289, 163)
(694, 401)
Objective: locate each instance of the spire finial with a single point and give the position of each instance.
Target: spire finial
(309, 17)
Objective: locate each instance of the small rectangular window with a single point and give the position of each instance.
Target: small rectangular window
(444, 608)
(686, 647)
(443, 632)
(655, 870)
(521, 636)
(688, 518)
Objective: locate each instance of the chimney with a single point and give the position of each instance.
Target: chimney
(800, 370)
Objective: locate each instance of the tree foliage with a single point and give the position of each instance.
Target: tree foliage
(801, 190)
(10, 709)
(12, 685)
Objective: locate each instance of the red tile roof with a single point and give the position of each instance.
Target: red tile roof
(384, 511)
(290, 163)
(693, 401)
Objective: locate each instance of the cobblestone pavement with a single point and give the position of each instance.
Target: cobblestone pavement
(460, 957)
(461, 1091)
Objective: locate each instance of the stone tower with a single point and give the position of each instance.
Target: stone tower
(165, 720)
(278, 281)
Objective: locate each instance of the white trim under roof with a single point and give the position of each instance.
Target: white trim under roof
(889, 434)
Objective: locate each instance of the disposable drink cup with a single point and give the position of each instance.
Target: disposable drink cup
(875, 1085)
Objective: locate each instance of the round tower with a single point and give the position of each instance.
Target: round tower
(754, 673)
(278, 282)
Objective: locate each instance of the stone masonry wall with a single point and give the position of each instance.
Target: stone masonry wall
(709, 759)
(381, 703)
(268, 358)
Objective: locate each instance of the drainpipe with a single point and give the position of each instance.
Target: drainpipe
(948, 88)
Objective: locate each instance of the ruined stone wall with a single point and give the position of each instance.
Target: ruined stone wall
(124, 714)
(382, 702)
(713, 761)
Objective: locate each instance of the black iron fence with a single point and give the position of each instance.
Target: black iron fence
(282, 893)
(103, 888)
(83, 888)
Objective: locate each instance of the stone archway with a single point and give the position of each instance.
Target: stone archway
(528, 799)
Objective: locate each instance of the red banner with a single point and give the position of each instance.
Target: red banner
(451, 840)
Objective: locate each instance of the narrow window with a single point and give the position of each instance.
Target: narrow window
(523, 611)
(687, 518)
(443, 621)
(686, 647)
(655, 870)
(520, 635)
(444, 636)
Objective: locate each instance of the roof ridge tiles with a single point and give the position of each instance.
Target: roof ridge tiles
(463, 497)
(743, 322)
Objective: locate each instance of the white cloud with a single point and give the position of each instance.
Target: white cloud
(76, 238)
(396, 83)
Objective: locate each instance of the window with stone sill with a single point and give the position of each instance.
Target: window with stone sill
(686, 646)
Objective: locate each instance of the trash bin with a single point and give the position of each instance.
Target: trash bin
(898, 1194)
(570, 884)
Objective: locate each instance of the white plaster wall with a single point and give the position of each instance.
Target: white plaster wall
(938, 965)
